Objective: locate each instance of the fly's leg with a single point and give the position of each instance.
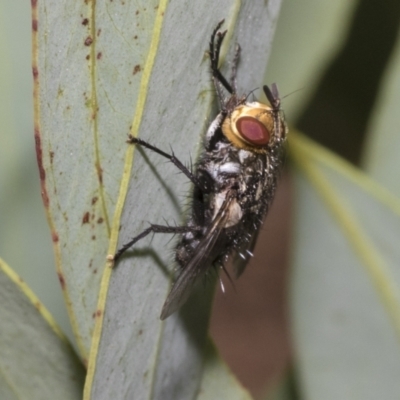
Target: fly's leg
(202, 185)
(220, 81)
(235, 62)
(152, 229)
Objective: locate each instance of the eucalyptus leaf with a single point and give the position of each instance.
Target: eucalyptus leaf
(218, 382)
(36, 360)
(166, 360)
(103, 70)
(300, 56)
(346, 280)
(381, 156)
(284, 389)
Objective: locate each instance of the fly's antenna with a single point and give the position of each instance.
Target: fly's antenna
(250, 93)
(273, 95)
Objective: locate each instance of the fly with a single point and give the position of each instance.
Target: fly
(233, 183)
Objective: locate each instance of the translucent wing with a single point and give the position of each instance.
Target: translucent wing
(198, 265)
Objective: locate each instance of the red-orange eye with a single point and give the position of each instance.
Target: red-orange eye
(253, 131)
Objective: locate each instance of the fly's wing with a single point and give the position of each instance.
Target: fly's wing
(195, 268)
(243, 254)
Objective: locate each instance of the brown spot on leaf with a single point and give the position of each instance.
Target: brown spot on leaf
(95, 271)
(98, 32)
(93, 237)
(34, 3)
(137, 12)
(51, 156)
(85, 21)
(61, 279)
(54, 237)
(85, 218)
(100, 220)
(98, 313)
(99, 172)
(94, 200)
(135, 37)
(99, 54)
(42, 173)
(137, 68)
(39, 154)
(35, 25)
(35, 72)
(45, 197)
(88, 57)
(88, 41)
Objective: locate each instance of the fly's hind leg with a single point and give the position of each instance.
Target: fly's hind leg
(151, 229)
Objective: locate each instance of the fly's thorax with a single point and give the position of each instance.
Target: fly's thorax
(254, 127)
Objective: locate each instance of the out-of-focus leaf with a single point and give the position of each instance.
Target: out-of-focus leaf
(345, 283)
(217, 381)
(36, 360)
(381, 157)
(282, 390)
(308, 35)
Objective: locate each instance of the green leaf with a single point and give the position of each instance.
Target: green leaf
(22, 219)
(103, 70)
(36, 360)
(381, 156)
(345, 282)
(166, 357)
(308, 36)
(218, 381)
(284, 389)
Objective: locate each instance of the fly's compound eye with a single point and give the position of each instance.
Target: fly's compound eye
(251, 126)
(253, 131)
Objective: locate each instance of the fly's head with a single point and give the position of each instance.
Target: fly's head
(257, 127)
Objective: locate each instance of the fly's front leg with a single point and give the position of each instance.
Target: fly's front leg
(173, 159)
(220, 81)
(152, 229)
(235, 62)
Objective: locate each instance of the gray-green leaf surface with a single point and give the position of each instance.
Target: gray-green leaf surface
(36, 360)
